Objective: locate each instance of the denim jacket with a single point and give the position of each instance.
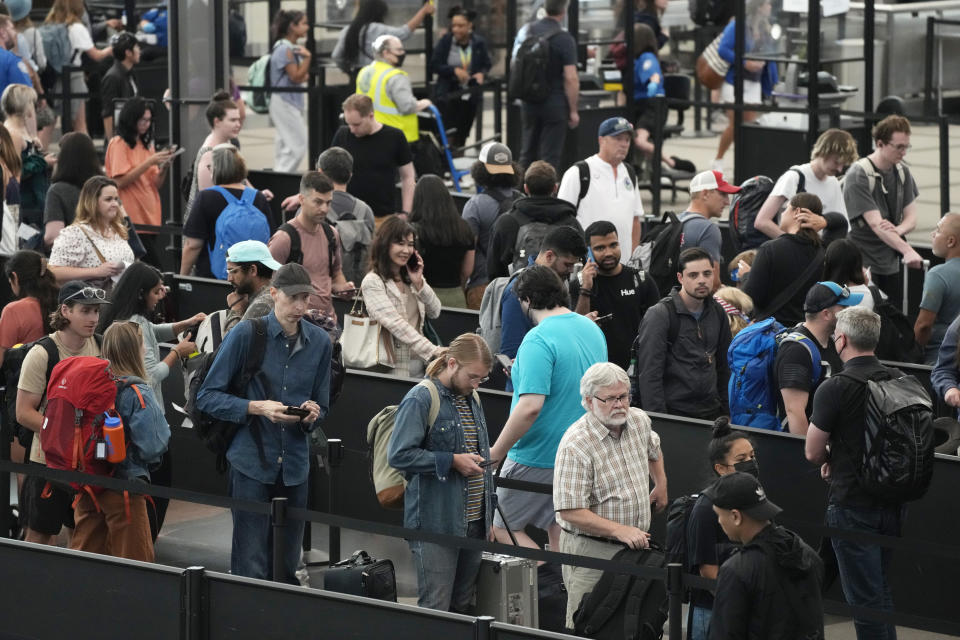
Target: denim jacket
(435, 499)
(290, 376)
(147, 431)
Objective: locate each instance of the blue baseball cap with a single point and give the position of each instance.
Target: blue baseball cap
(614, 127)
(252, 251)
(824, 295)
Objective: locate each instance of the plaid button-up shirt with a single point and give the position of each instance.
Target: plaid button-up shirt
(607, 475)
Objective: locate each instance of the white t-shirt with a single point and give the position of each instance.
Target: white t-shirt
(80, 41)
(615, 199)
(828, 189)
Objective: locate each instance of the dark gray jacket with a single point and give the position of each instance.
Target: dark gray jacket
(681, 361)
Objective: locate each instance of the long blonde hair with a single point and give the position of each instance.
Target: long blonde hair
(123, 347)
(65, 11)
(88, 209)
(465, 348)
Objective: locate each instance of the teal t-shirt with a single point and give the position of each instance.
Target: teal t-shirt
(551, 360)
(940, 295)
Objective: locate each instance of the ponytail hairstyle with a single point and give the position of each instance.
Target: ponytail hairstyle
(720, 442)
(465, 348)
(283, 21)
(368, 11)
(34, 279)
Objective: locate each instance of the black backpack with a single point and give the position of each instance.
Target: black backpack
(625, 605)
(897, 341)
(744, 207)
(217, 434)
(296, 250)
(584, 170)
(678, 515)
(12, 363)
(529, 74)
(896, 464)
(504, 203)
(659, 251)
(709, 12)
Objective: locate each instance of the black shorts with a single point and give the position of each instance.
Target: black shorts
(45, 515)
(646, 116)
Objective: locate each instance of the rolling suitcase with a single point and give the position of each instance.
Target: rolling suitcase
(507, 589)
(361, 575)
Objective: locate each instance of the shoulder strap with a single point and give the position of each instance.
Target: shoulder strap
(331, 245)
(801, 180)
(296, 253)
(434, 402)
(632, 173)
(251, 367)
(584, 170)
(877, 298)
(673, 329)
(248, 196)
(229, 197)
(795, 286)
(53, 355)
(357, 206)
(92, 244)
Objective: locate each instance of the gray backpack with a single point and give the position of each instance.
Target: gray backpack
(491, 324)
(355, 239)
(529, 238)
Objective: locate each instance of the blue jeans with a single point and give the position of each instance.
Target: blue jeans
(699, 623)
(447, 576)
(252, 553)
(864, 567)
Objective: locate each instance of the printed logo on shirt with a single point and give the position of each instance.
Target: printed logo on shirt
(627, 292)
(626, 183)
(647, 64)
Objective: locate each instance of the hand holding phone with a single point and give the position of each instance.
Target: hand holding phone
(413, 262)
(505, 362)
(590, 255)
(297, 411)
(487, 463)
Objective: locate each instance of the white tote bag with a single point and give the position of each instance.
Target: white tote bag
(360, 338)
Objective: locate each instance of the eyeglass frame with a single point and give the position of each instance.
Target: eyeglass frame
(623, 399)
(99, 294)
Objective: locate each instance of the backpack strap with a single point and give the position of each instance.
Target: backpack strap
(229, 197)
(875, 293)
(792, 335)
(584, 170)
(251, 368)
(331, 245)
(296, 252)
(787, 294)
(632, 173)
(53, 355)
(248, 196)
(801, 180)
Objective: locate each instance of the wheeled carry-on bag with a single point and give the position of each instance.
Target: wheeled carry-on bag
(507, 589)
(361, 575)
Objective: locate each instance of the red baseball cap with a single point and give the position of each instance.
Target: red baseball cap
(711, 180)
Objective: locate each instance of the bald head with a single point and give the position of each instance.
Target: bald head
(946, 237)
(386, 43)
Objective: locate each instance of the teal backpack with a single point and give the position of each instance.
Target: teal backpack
(259, 76)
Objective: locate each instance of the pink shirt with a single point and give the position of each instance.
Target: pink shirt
(316, 260)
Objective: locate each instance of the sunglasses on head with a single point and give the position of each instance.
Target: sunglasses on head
(88, 292)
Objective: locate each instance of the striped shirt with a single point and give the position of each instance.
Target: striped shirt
(607, 475)
(474, 483)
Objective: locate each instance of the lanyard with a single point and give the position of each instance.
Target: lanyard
(466, 55)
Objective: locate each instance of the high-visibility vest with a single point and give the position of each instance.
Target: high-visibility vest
(372, 82)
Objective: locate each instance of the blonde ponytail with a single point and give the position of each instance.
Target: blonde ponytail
(465, 348)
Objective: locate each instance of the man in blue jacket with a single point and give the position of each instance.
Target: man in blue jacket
(269, 456)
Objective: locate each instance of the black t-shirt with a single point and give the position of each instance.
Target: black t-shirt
(778, 264)
(117, 83)
(202, 222)
(793, 367)
(838, 409)
(563, 52)
(376, 159)
(706, 544)
(442, 264)
(627, 296)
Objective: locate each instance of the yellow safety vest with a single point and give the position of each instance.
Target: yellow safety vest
(372, 82)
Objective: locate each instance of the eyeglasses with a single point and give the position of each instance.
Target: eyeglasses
(902, 148)
(623, 399)
(474, 378)
(88, 292)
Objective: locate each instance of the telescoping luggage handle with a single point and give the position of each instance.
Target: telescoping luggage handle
(906, 285)
(506, 524)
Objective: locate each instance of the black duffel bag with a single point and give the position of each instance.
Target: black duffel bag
(361, 575)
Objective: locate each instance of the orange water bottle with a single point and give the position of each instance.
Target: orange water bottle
(113, 435)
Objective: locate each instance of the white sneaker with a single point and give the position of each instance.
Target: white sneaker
(717, 165)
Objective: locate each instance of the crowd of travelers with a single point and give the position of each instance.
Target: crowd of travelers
(591, 332)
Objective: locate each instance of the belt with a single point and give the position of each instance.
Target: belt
(596, 538)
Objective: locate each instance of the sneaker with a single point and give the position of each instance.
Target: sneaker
(719, 119)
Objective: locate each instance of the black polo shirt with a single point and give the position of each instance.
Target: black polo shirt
(793, 367)
(117, 84)
(838, 409)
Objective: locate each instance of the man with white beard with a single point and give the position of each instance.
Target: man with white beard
(601, 479)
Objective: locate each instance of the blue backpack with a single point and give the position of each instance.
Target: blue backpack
(751, 355)
(238, 221)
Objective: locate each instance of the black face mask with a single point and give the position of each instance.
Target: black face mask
(748, 466)
(400, 59)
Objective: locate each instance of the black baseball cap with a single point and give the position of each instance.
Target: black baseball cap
(741, 491)
(824, 295)
(80, 292)
(292, 279)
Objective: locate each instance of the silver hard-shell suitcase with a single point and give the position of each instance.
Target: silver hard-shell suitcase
(507, 589)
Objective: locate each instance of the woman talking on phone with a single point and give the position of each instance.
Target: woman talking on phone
(397, 296)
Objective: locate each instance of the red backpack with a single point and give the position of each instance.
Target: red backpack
(79, 391)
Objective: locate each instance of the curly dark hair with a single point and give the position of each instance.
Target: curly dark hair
(542, 288)
(487, 180)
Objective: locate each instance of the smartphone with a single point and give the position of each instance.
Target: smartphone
(590, 255)
(412, 264)
(603, 319)
(177, 152)
(487, 463)
(505, 362)
(296, 411)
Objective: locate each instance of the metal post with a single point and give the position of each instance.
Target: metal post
(928, 68)
(191, 603)
(512, 113)
(173, 81)
(316, 122)
(428, 49)
(278, 520)
(498, 111)
(697, 87)
(334, 460)
(482, 627)
(740, 34)
(628, 72)
(660, 109)
(869, 33)
(66, 118)
(675, 591)
(573, 27)
(133, 18)
(220, 60)
(813, 67)
(944, 164)
(6, 518)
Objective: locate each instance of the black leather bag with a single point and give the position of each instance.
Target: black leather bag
(361, 575)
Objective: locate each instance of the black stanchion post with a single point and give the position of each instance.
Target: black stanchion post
(740, 34)
(813, 67)
(482, 626)
(6, 517)
(869, 33)
(498, 111)
(316, 123)
(512, 112)
(628, 72)
(698, 47)
(573, 27)
(675, 591)
(660, 109)
(221, 59)
(428, 49)
(66, 113)
(191, 602)
(928, 68)
(334, 459)
(173, 78)
(278, 520)
(944, 164)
